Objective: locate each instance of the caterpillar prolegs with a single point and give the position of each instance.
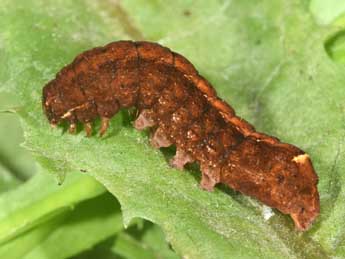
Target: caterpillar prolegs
(183, 110)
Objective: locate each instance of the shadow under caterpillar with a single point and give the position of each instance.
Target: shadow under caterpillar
(183, 110)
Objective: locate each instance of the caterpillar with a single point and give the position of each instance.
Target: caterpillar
(182, 109)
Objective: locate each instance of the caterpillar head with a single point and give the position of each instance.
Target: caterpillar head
(53, 106)
(293, 190)
(281, 177)
(306, 205)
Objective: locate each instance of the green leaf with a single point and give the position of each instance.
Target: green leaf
(68, 233)
(326, 12)
(16, 161)
(335, 47)
(127, 247)
(20, 245)
(40, 199)
(267, 59)
(141, 240)
(146, 241)
(7, 180)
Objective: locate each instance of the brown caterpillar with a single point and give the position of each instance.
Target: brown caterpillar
(183, 109)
